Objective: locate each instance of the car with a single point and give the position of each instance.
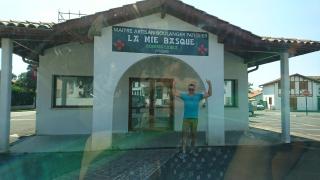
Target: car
(250, 109)
(260, 107)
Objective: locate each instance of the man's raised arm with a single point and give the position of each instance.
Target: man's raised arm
(209, 92)
(174, 89)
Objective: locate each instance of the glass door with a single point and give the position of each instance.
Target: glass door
(150, 104)
(163, 105)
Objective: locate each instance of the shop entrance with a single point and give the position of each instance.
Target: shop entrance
(151, 105)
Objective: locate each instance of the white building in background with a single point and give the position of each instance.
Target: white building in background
(298, 100)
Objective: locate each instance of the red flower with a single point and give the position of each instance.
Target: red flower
(119, 45)
(202, 49)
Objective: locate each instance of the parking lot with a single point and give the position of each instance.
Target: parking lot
(301, 125)
(23, 123)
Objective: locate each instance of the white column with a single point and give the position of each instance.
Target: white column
(101, 136)
(285, 97)
(216, 129)
(102, 115)
(5, 93)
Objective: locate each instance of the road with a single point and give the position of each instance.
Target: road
(22, 124)
(301, 125)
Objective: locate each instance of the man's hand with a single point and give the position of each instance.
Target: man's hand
(209, 92)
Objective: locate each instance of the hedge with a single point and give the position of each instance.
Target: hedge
(21, 96)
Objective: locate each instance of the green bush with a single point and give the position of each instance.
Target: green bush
(21, 96)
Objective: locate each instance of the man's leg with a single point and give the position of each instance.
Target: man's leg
(185, 126)
(194, 126)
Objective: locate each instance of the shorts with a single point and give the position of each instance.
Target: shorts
(191, 124)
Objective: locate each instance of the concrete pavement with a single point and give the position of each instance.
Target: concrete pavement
(263, 158)
(300, 125)
(22, 124)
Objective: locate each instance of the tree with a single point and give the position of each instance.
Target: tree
(13, 77)
(24, 88)
(26, 80)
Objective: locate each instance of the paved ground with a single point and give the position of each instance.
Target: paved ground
(293, 161)
(22, 124)
(123, 165)
(301, 125)
(260, 160)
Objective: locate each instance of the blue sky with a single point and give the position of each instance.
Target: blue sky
(285, 18)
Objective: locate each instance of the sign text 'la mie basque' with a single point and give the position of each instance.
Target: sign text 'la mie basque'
(157, 41)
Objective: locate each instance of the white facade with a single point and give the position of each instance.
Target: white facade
(272, 91)
(111, 72)
(268, 95)
(69, 59)
(109, 67)
(236, 118)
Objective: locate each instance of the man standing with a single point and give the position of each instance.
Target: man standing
(191, 101)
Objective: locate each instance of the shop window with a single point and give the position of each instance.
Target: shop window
(292, 85)
(303, 85)
(230, 93)
(159, 92)
(72, 91)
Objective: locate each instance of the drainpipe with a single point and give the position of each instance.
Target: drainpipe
(254, 69)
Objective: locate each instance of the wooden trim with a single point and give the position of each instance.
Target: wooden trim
(151, 110)
(129, 105)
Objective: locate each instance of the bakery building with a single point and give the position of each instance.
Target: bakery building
(113, 71)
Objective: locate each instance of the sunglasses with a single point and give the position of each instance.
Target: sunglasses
(191, 89)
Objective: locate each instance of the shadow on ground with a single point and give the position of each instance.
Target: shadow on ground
(263, 157)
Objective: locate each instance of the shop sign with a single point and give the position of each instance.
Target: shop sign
(158, 41)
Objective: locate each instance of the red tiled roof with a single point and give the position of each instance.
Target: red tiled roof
(26, 24)
(254, 93)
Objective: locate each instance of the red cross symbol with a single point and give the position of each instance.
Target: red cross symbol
(119, 45)
(202, 49)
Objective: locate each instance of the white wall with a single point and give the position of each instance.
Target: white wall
(68, 59)
(77, 59)
(269, 92)
(236, 118)
(312, 101)
(272, 91)
(277, 98)
(110, 66)
(157, 67)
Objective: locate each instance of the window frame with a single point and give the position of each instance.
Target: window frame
(303, 84)
(53, 94)
(292, 85)
(234, 90)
